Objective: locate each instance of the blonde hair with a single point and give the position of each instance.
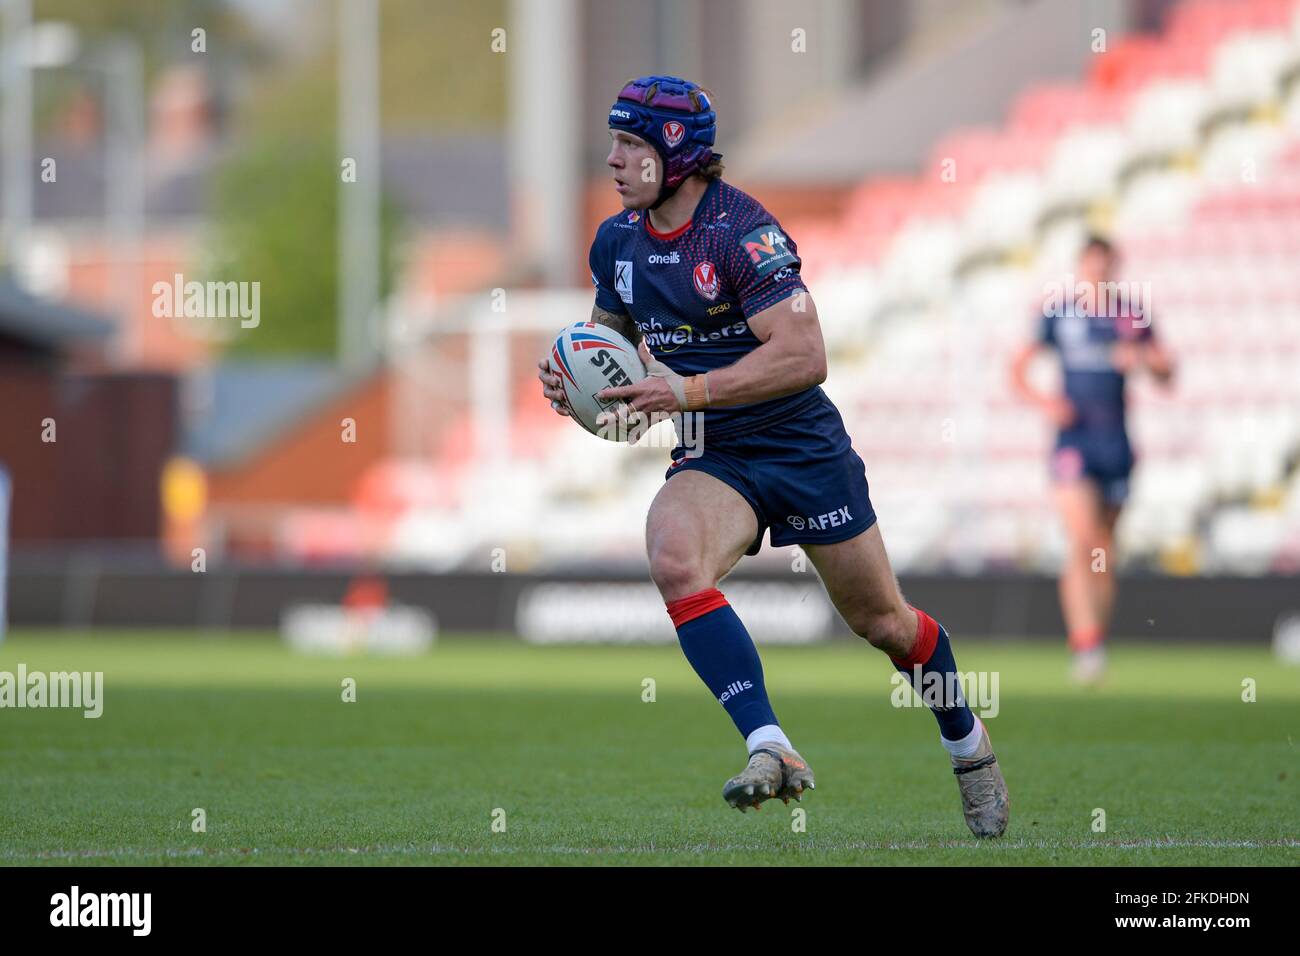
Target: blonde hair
(716, 166)
(713, 170)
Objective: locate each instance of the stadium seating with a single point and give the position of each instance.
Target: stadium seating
(1186, 147)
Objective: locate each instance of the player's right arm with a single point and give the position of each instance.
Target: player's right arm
(1058, 409)
(620, 322)
(608, 311)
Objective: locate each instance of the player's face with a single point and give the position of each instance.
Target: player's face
(1095, 265)
(636, 169)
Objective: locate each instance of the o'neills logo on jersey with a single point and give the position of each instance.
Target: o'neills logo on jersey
(706, 280)
(669, 260)
(735, 688)
(673, 133)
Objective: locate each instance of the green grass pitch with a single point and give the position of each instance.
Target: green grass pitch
(559, 744)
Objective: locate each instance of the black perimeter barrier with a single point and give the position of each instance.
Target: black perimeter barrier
(81, 591)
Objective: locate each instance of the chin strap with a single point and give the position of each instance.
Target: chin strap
(665, 193)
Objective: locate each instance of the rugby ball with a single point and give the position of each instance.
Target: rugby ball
(589, 357)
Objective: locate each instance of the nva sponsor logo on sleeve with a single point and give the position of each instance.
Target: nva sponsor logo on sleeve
(766, 248)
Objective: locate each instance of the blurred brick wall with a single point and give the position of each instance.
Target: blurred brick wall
(99, 478)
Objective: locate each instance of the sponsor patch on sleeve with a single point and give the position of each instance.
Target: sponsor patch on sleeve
(766, 249)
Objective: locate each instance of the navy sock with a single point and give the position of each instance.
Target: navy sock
(723, 654)
(933, 653)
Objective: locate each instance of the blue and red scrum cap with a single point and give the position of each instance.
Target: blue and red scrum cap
(673, 115)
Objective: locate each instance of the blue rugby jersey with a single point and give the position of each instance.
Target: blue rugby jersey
(1092, 383)
(691, 291)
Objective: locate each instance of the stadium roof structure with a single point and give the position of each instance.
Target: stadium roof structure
(250, 403)
(44, 325)
(434, 178)
(921, 95)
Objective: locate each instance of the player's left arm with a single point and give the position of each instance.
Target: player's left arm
(791, 358)
(1158, 361)
(1140, 348)
(762, 267)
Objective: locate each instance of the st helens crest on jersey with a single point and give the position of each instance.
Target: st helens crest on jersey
(706, 280)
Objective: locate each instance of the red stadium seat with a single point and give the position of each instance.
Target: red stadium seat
(1048, 110)
(1206, 22)
(975, 152)
(1135, 62)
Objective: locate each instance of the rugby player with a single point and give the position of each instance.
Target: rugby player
(1100, 335)
(707, 283)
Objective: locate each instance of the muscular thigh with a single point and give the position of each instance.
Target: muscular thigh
(697, 529)
(858, 578)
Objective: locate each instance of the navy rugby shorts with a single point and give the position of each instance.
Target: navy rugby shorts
(1103, 456)
(801, 476)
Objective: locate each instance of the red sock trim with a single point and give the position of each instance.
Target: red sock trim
(695, 605)
(1086, 638)
(927, 638)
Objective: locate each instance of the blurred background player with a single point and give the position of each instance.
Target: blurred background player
(1101, 331)
(706, 280)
